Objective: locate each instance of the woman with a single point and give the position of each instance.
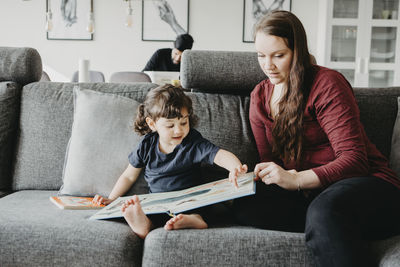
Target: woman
(319, 173)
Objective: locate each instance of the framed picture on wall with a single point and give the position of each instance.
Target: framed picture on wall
(163, 20)
(254, 9)
(69, 19)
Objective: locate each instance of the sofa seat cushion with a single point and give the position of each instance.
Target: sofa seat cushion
(225, 246)
(243, 246)
(41, 234)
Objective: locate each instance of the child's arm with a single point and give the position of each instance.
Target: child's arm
(229, 161)
(124, 182)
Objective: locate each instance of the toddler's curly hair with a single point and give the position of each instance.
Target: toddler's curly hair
(165, 101)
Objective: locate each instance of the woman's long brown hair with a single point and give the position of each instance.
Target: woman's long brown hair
(288, 128)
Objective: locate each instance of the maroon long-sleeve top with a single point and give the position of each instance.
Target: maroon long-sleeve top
(335, 144)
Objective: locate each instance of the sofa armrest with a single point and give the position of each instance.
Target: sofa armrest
(21, 65)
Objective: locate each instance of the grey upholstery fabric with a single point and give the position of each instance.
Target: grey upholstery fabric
(220, 71)
(4, 193)
(9, 110)
(227, 246)
(223, 119)
(22, 65)
(395, 152)
(35, 232)
(378, 111)
(243, 246)
(45, 77)
(102, 138)
(45, 128)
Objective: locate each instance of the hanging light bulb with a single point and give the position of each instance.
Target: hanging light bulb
(49, 19)
(129, 19)
(90, 25)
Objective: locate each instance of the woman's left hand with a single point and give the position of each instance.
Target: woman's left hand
(272, 173)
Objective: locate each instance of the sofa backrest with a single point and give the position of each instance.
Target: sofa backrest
(45, 128)
(238, 72)
(47, 112)
(22, 65)
(220, 71)
(18, 66)
(378, 111)
(9, 108)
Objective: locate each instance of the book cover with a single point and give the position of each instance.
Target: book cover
(75, 203)
(179, 201)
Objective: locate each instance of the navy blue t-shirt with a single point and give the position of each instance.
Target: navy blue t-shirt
(177, 170)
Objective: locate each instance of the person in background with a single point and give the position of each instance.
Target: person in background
(319, 172)
(167, 59)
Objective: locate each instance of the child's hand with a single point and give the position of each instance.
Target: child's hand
(99, 200)
(233, 175)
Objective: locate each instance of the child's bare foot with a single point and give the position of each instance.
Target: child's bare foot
(134, 215)
(182, 221)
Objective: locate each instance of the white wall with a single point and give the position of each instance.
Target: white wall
(214, 24)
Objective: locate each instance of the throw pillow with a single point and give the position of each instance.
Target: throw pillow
(395, 150)
(101, 139)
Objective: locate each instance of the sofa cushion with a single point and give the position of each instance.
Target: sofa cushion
(9, 109)
(20, 64)
(378, 111)
(226, 246)
(102, 138)
(223, 119)
(35, 232)
(395, 152)
(244, 246)
(45, 128)
(220, 71)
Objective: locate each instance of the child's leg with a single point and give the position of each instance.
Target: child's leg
(182, 221)
(134, 215)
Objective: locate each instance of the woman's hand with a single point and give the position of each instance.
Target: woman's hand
(272, 173)
(233, 175)
(99, 200)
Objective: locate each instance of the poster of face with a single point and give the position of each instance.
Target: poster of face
(254, 9)
(69, 19)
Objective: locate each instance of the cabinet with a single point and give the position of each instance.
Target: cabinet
(360, 38)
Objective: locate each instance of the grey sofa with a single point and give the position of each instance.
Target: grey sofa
(36, 119)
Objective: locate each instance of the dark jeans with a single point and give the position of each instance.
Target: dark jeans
(337, 222)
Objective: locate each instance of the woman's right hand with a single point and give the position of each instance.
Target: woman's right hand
(272, 173)
(99, 200)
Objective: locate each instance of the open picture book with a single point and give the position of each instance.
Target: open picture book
(75, 203)
(179, 201)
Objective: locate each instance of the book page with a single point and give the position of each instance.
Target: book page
(75, 203)
(183, 200)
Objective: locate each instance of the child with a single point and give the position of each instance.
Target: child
(170, 153)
